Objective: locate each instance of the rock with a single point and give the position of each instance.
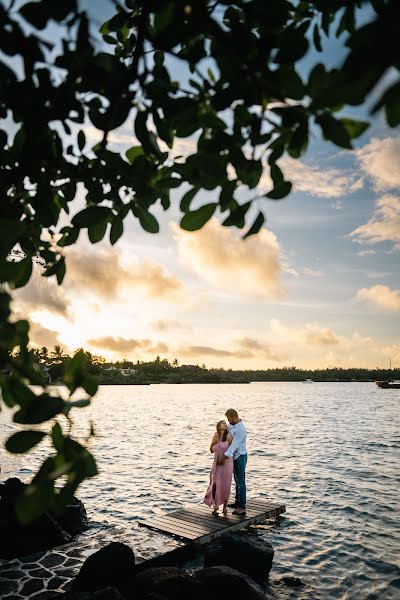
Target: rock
(225, 582)
(74, 518)
(41, 573)
(168, 583)
(32, 586)
(12, 574)
(19, 540)
(110, 593)
(246, 554)
(56, 582)
(112, 566)
(291, 581)
(8, 586)
(52, 560)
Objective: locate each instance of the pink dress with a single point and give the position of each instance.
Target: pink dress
(219, 488)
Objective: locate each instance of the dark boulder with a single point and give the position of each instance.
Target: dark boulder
(46, 532)
(111, 566)
(19, 540)
(225, 582)
(170, 583)
(247, 554)
(74, 518)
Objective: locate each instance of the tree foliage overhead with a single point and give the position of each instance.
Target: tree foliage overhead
(240, 98)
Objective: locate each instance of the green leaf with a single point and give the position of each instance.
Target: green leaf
(226, 197)
(145, 137)
(97, 232)
(35, 14)
(91, 216)
(42, 408)
(69, 236)
(147, 220)
(81, 140)
(90, 385)
(192, 221)
(317, 38)
(22, 441)
(57, 436)
(280, 191)
(187, 198)
(255, 228)
(334, 130)
(83, 403)
(25, 272)
(57, 269)
(276, 174)
(34, 501)
(237, 216)
(75, 371)
(117, 229)
(391, 101)
(133, 153)
(354, 128)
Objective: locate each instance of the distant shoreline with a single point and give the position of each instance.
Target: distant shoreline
(240, 382)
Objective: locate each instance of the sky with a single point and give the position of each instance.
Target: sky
(317, 287)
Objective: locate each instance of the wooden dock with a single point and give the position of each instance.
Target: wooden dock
(197, 525)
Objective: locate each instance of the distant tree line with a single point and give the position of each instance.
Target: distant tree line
(160, 370)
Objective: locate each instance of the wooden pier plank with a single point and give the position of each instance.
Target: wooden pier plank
(198, 525)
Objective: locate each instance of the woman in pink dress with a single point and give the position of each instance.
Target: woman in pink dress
(219, 488)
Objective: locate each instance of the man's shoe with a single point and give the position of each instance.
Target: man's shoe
(233, 505)
(239, 511)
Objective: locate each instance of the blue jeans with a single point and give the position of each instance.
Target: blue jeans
(239, 472)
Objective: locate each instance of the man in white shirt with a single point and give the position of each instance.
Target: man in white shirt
(238, 451)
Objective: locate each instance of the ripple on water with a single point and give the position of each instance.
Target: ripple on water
(330, 452)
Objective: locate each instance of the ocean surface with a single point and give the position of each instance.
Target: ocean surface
(329, 451)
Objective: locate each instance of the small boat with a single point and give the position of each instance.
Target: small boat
(307, 381)
(388, 385)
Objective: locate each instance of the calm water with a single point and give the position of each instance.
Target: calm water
(329, 451)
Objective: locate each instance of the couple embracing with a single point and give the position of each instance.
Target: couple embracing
(230, 458)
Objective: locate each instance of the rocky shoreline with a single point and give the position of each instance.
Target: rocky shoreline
(98, 562)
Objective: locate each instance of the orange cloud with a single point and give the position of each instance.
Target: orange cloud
(120, 345)
(102, 273)
(380, 160)
(384, 225)
(241, 267)
(382, 296)
(322, 183)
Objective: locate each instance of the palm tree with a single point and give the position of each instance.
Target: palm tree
(58, 354)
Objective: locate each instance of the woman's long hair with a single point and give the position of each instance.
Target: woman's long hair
(225, 434)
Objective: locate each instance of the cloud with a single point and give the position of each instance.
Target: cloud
(319, 336)
(384, 225)
(312, 272)
(242, 348)
(169, 324)
(322, 183)
(257, 349)
(311, 334)
(366, 252)
(382, 296)
(220, 257)
(120, 345)
(380, 160)
(102, 273)
(200, 351)
(39, 294)
(41, 336)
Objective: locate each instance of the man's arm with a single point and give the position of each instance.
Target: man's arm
(237, 440)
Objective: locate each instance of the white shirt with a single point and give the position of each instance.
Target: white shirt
(238, 446)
